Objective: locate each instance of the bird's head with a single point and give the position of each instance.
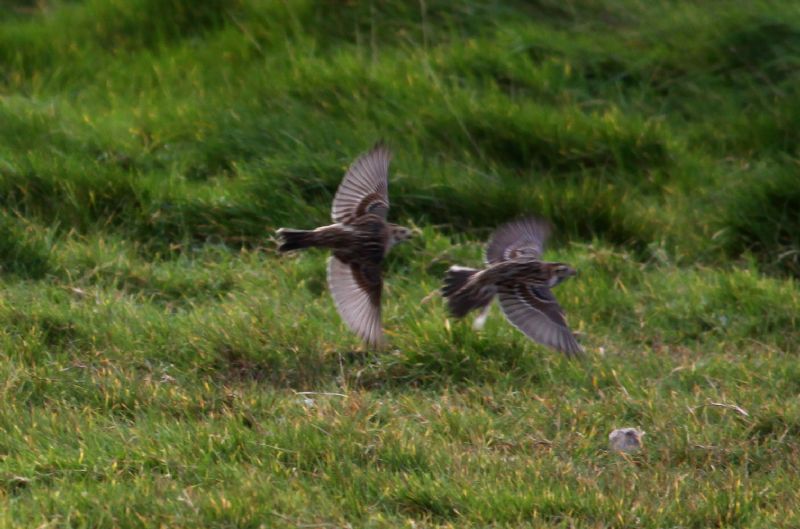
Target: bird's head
(559, 272)
(399, 233)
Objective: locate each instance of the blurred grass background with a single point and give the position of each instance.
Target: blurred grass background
(154, 343)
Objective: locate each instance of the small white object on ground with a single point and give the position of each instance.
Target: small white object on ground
(625, 440)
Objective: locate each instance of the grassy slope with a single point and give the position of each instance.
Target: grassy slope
(154, 345)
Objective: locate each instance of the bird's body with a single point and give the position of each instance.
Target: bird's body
(470, 288)
(521, 280)
(359, 239)
(367, 238)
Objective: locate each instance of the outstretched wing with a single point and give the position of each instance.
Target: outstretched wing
(520, 237)
(535, 312)
(356, 290)
(365, 187)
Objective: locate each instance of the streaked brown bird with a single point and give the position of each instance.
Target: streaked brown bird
(521, 281)
(360, 238)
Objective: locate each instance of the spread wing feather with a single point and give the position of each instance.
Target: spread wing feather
(356, 290)
(535, 312)
(517, 238)
(364, 188)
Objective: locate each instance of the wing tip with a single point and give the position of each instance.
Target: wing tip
(376, 342)
(562, 341)
(366, 325)
(381, 144)
(535, 225)
(573, 349)
(368, 173)
(380, 147)
(525, 228)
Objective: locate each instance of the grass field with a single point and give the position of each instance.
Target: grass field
(162, 366)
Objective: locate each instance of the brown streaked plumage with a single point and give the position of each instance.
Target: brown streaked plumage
(520, 280)
(360, 238)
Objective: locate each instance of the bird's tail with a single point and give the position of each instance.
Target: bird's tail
(295, 239)
(461, 297)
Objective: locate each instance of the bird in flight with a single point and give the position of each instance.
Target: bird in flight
(521, 281)
(360, 238)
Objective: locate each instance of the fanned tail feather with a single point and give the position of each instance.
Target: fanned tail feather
(295, 239)
(462, 298)
(455, 278)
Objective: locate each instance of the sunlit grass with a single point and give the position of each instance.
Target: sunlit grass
(163, 366)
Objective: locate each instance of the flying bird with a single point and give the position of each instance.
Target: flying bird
(360, 238)
(521, 281)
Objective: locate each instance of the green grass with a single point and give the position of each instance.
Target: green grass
(163, 366)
